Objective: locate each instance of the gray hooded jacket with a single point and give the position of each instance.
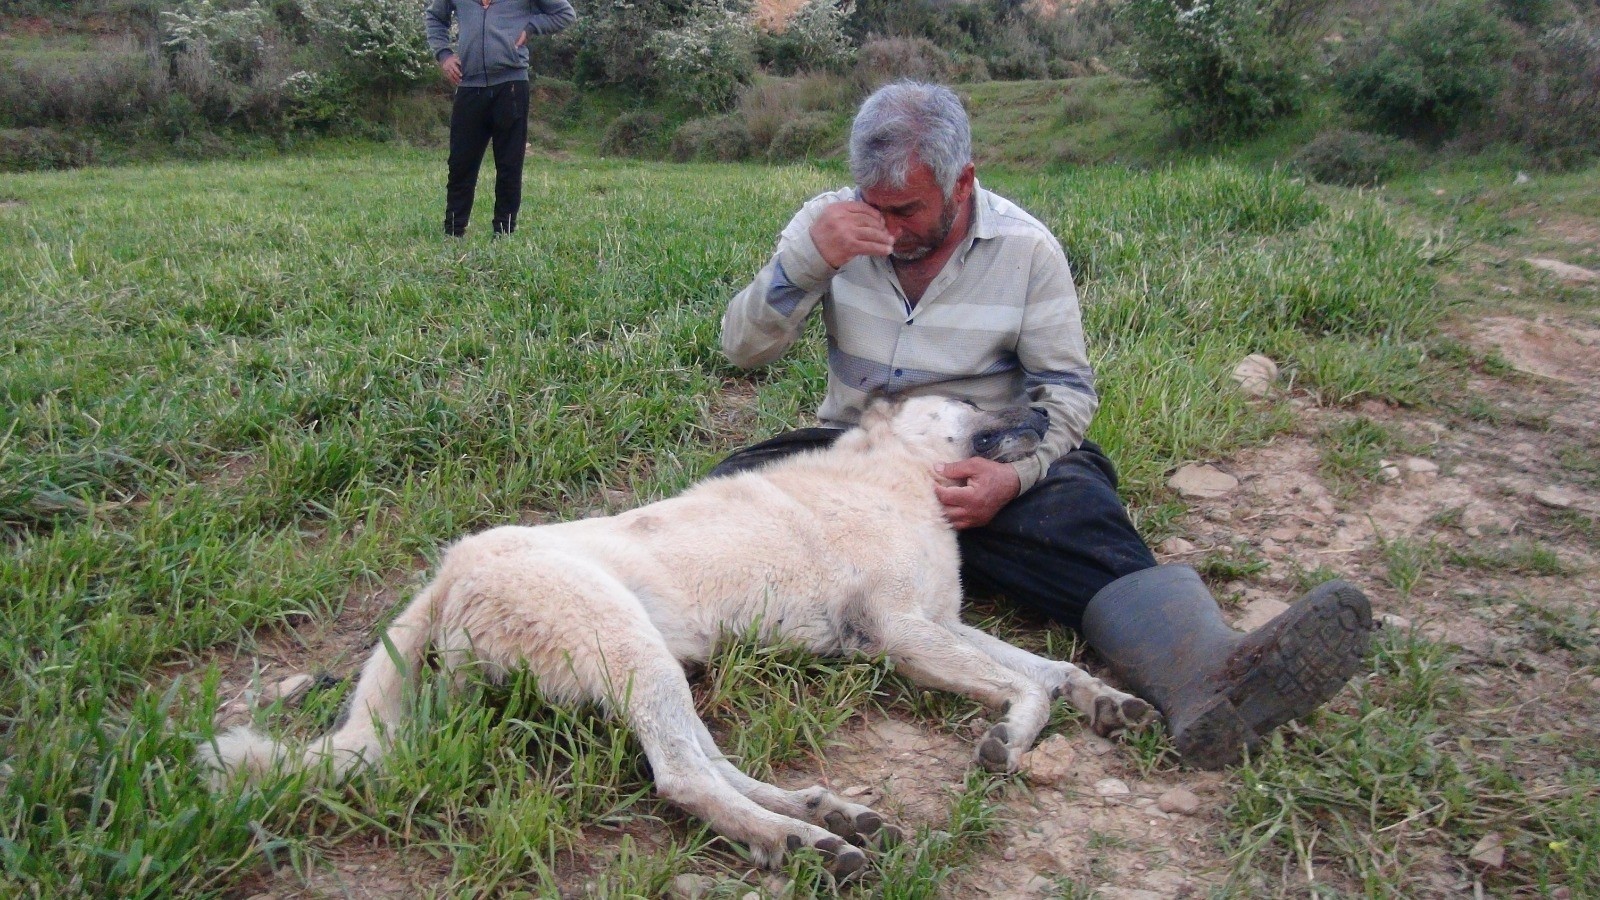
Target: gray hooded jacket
(487, 37)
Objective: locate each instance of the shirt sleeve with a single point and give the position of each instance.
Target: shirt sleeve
(436, 22)
(550, 16)
(1057, 376)
(765, 319)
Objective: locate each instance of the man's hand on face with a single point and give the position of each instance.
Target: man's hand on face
(982, 488)
(451, 67)
(848, 229)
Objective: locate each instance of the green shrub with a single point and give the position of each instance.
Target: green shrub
(24, 149)
(883, 60)
(1351, 158)
(717, 138)
(1530, 13)
(107, 89)
(1434, 71)
(1553, 104)
(1224, 67)
(375, 41)
(768, 103)
(804, 137)
(813, 40)
(637, 133)
(706, 61)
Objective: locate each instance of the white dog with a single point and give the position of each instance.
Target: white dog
(837, 550)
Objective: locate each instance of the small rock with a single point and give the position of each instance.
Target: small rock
(1594, 686)
(1201, 482)
(1009, 854)
(1054, 761)
(1490, 850)
(1259, 613)
(1112, 787)
(1112, 892)
(1554, 497)
(751, 895)
(1040, 885)
(690, 887)
(1179, 801)
(1390, 620)
(1285, 534)
(1564, 271)
(286, 690)
(1522, 178)
(1167, 882)
(856, 790)
(1175, 546)
(1255, 375)
(1218, 514)
(1388, 471)
(1421, 471)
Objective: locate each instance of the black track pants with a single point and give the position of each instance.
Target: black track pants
(1050, 550)
(480, 116)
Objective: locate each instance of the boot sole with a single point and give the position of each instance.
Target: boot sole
(1318, 644)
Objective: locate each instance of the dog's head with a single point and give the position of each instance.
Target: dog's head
(948, 430)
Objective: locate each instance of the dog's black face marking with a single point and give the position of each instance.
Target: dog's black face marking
(1015, 437)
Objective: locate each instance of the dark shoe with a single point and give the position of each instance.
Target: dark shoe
(1220, 690)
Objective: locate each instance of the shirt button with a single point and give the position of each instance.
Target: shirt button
(898, 373)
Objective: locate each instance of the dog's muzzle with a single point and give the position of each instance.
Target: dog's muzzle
(1015, 434)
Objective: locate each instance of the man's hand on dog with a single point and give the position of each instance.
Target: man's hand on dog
(982, 487)
(848, 229)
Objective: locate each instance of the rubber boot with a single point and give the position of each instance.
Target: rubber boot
(1221, 690)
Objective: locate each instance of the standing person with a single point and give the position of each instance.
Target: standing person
(930, 284)
(488, 67)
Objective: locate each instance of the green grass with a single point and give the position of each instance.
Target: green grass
(1404, 765)
(237, 396)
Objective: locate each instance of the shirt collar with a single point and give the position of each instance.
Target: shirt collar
(983, 223)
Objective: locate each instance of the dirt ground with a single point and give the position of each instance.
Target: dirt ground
(1524, 470)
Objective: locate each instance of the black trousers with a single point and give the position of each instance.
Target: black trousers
(480, 116)
(1050, 550)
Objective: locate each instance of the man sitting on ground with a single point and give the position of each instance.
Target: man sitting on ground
(929, 284)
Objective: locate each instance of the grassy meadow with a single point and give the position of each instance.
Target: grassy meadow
(241, 396)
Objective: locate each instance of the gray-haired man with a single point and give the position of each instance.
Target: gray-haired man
(929, 284)
(488, 67)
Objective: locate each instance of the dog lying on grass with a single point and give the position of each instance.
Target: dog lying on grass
(837, 550)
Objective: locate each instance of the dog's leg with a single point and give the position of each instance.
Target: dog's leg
(660, 708)
(860, 825)
(1109, 710)
(934, 656)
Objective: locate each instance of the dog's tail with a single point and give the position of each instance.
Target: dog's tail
(375, 711)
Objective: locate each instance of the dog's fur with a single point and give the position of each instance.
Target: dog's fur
(838, 550)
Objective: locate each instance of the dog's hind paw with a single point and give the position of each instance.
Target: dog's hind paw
(865, 829)
(1113, 715)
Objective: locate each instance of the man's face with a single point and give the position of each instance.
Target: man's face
(917, 216)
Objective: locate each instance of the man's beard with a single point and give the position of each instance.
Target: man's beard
(947, 219)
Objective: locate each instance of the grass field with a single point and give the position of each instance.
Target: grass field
(242, 396)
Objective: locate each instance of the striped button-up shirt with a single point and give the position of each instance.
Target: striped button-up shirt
(998, 326)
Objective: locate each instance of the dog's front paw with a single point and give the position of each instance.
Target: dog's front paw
(995, 754)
